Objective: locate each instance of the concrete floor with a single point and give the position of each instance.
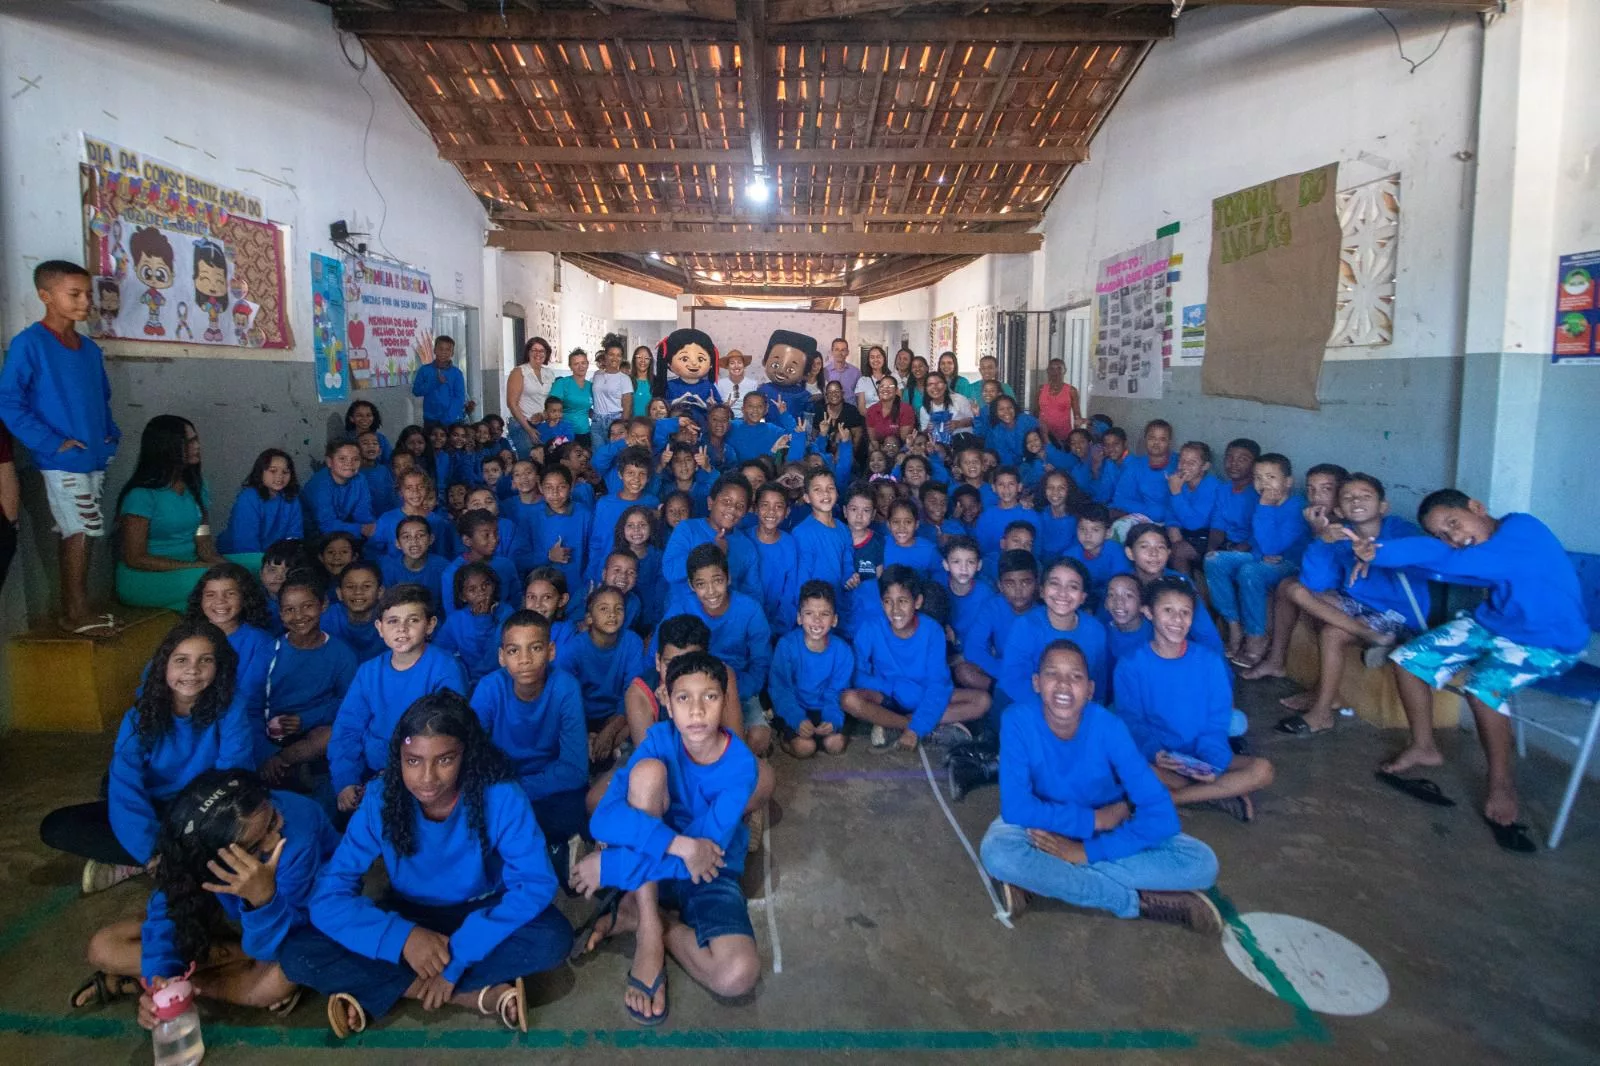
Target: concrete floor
(889, 951)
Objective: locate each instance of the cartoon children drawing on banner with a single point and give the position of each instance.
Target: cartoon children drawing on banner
(108, 297)
(241, 323)
(151, 253)
(211, 286)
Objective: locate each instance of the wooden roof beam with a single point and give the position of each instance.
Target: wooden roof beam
(678, 218)
(843, 243)
(573, 25)
(753, 87)
(816, 157)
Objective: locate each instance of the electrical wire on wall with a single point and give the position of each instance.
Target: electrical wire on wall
(366, 134)
(1416, 64)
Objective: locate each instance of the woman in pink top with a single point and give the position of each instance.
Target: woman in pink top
(1059, 412)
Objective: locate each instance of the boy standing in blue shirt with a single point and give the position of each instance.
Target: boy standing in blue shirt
(673, 820)
(1082, 818)
(811, 668)
(1532, 625)
(442, 386)
(56, 399)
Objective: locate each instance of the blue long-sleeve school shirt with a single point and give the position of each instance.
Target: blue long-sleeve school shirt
(1235, 509)
(379, 695)
(603, 528)
(780, 589)
(447, 869)
(1327, 567)
(602, 673)
(1068, 464)
(380, 489)
(744, 563)
(1057, 785)
(474, 639)
(505, 571)
(751, 440)
(309, 841)
(1121, 644)
(802, 680)
(1195, 506)
(1178, 705)
(308, 682)
(443, 392)
(921, 555)
(1110, 561)
(1103, 486)
(381, 545)
(362, 637)
(50, 394)
(986, 639)
(740, 637)
(546, 738)
(824, 552)
(544, 527)
(430, 577)
(255, 524)
(1534, 594)
(1056, 537)
(965, 610)
(705, 802)
(650, 590)
(993, 520)
(145, 779)
(1142, 489)
(254, 648)
(1280, 529)
(911, 671)
(699, 490)
(1030, 635)
(1007, 440)
(331, 507)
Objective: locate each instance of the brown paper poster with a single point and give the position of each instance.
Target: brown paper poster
(1270, 300)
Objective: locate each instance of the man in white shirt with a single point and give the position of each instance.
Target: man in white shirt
(733, 386)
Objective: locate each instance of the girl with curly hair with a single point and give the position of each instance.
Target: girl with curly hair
(267, 508)
(469, 911)
(235, 875)
(184, 721)
(232, 599)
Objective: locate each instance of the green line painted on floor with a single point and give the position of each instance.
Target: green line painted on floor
(1306, 1028)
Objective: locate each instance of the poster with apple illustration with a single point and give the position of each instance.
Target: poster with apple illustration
(388, 319)
(1577, 337)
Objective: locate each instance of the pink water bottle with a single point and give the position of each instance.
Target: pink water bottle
(177, 1033)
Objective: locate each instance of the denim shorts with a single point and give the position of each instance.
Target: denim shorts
(1387, 623)
(1494, 666)
(754, 714)
(712, 908)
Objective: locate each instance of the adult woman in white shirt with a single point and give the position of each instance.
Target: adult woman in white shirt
(613, 393)
(526, 390)
(867, 385)
(943, 413)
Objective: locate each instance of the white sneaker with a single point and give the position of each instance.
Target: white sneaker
(99, 876)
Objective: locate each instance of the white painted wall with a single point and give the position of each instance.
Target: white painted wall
(255, 96)
(1246, 95)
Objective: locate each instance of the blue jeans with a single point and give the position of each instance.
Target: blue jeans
(1176, 864)
(1240, 585)
(312, 958)
(600, 429)
(521, 443)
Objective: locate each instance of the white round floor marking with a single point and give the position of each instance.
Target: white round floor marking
(1333, 974)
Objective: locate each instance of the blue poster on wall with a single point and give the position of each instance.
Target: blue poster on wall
(327, 329)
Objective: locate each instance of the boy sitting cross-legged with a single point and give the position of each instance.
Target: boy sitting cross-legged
(1082, 817)
(672, 823)
(1176, 697)
(811, 668)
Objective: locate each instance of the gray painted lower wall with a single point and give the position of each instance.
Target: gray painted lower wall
(1396, 419)
(1565, 492)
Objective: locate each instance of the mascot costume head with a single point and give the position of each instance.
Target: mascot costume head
(788, 356)
(686, 374)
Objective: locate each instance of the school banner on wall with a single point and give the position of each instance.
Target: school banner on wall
(178, 259)
(1274, 274)
(328, 329)
(1132, 302)
(388, 322)
(1577, 338)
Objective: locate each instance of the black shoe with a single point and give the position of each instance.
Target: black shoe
(965, 772)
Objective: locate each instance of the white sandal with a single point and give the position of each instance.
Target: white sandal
(514, 996)
(339, 1016)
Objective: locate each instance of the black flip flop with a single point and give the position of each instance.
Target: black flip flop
(1513, 837)
(606, 902)
(1417, 788)
(1295, 725)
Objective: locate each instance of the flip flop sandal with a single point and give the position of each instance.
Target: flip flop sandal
(1513, 837)
(606, 902)
(100, 626)
(106, 988)
(649, 991)
(339, 1018)
(1417, 788)
(285, 1006)
(1295, 725)
(515, 996)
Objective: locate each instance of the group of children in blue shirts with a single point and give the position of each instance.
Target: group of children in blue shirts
(599, 645)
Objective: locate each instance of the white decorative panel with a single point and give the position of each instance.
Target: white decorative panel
(1369, 217)
(547, 324)
(592, 330)
(986, 318)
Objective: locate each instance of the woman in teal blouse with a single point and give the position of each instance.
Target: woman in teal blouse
(575, 392)
(163, 519)
(641, 381)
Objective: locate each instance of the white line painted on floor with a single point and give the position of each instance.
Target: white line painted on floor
(1000, 914)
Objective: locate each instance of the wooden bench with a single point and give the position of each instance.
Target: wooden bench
(1372, 694)
(64, 683)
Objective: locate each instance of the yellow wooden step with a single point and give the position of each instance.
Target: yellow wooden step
(66, 683)
(1372, 694)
